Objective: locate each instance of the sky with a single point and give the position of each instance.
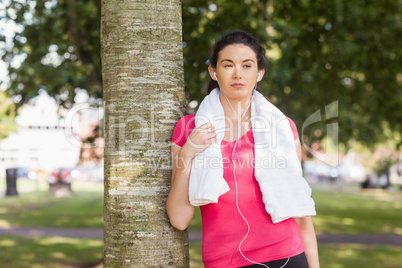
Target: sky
(3, 71)
(7, 29)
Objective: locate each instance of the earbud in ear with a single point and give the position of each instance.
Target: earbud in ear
(258, 78)
(215, 76)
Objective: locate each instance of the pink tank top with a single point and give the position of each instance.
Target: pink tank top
(224, 228)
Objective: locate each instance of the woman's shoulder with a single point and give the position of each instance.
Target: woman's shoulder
(183, 128)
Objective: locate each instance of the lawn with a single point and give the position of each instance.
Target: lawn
(364, 212)
(371, 211)
(21, 252)
(39, 209)
(84, 209)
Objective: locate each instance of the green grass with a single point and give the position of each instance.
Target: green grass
(84, 209)
(195, 223)
(337, 256)
(195, 254)
(39, 209)
(49, 252)
(366, 212)
(357, 255)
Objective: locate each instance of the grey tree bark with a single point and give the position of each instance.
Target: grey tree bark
(142, 69)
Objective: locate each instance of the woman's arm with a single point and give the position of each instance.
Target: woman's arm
(307, 231)
(309, 239)
(178, 207)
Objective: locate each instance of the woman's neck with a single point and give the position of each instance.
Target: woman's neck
(237, 117)
(236, 109)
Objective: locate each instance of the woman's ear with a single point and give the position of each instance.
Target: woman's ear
(261, 74)
(212, 73)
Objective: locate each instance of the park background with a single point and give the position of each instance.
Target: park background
(338, 54)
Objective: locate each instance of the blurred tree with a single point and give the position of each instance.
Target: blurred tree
(144, 98)
(319, 52)
(7, 115)
(346, 51)
(56, 48)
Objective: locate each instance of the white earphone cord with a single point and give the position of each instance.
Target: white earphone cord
(235, 180)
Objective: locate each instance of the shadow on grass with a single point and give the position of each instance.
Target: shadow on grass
(49, 252)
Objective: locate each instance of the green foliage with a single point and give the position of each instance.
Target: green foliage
(383, 165)
(319, 52)
(342, 51)
(7, 115)
(59, 46)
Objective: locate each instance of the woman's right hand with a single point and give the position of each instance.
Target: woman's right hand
(178, 206)
(199, 139)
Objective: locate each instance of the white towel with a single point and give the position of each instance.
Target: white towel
(285, 192)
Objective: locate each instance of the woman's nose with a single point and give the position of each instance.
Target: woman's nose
(237, 73)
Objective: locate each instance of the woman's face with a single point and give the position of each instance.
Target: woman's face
(236, 71)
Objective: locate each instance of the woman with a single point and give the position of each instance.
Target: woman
(237, 230)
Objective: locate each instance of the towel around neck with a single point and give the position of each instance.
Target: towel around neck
(285, 192)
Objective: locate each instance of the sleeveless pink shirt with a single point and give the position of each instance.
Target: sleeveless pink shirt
(223, 227)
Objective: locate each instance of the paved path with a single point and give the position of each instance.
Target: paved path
(52, 231)
(395, 240)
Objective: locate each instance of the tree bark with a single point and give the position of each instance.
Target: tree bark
(142, 69)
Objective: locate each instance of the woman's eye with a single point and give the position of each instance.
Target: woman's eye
(227, 66)
(247, 66)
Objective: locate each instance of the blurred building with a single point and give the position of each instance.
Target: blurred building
(45, 140)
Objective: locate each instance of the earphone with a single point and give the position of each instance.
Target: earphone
(234, 172)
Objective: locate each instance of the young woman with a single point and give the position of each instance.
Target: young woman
(237, 230)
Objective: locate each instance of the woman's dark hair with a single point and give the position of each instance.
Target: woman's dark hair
(232, 38)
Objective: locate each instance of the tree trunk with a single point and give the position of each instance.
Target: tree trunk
(144, 97)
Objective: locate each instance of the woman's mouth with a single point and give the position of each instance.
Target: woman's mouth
(237, 85)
